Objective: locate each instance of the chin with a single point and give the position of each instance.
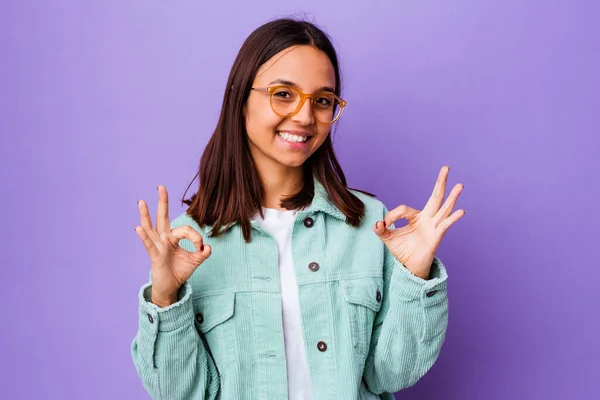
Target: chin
(292, 163)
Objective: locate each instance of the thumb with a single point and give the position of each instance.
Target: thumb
(383, 227)
(201, 254)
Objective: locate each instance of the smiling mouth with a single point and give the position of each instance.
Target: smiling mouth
(294, 138)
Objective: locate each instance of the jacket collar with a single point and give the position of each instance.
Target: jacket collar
(320, 202)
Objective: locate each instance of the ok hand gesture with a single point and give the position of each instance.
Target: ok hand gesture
(172, 266)
(415, 244)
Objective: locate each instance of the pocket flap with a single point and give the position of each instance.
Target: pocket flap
(215, 310)
(364, 292)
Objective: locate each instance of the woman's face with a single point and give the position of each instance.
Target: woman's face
(307, 69)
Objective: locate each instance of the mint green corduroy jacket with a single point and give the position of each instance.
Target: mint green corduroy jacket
(370, 327)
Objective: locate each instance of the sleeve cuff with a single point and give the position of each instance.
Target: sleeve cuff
(430, 291)
(154, 319)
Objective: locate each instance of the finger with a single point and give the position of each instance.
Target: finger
(447, 223)
(168, 236)
(437, 196)
(162, 214)
(201, 253)
(381, 229)
(448, 206)
(401, 212)
(191, 234)
(204, 254)
(148, 242)
(145, 219)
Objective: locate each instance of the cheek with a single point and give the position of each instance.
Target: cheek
(260, 120)
(322, 133)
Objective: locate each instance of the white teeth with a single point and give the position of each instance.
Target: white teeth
(293, 138)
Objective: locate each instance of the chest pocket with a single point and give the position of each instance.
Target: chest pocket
(363, 298)
(214, 319)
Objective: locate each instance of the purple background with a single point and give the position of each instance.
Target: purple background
(101, 101)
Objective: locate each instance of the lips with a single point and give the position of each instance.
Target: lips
(295, 136)
(294, 143)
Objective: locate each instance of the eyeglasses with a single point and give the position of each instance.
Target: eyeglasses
(286, 101)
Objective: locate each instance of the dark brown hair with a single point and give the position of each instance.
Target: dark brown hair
(230, 188)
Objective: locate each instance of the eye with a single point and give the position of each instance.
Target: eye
(283, 94)
(324, 101)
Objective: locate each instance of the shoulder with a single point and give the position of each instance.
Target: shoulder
(184, 219)
(373, 206)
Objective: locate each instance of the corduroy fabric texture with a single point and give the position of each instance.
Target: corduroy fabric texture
(371, 328)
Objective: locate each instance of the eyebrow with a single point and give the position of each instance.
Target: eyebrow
(290, 83)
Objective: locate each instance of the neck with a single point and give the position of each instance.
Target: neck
(280, 181)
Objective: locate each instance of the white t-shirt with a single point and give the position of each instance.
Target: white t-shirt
(279, 225)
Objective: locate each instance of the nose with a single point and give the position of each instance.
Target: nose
(305, 115)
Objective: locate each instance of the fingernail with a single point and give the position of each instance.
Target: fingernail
(384, 224)
(138, 202)
(202, 248)
(157, 188)
(377, 225)
(134, 230)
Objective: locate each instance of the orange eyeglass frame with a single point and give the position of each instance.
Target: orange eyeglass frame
(303, 97)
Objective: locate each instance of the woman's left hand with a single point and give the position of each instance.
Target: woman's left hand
(415, 244)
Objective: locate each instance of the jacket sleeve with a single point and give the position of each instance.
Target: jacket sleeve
(409, 328)
(168, 352)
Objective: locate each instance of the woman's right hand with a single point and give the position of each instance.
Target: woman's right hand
(172, 265)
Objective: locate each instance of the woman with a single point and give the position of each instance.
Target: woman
(279, 281)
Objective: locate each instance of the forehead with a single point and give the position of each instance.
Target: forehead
(307, 66)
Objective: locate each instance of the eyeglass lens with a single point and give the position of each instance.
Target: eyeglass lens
(325, 106)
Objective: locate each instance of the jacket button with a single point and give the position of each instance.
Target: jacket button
(313, 266)
(308, 222)
(199, 318)
(322, 346)
(150, 319)
(378, 296)
(431, 293)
